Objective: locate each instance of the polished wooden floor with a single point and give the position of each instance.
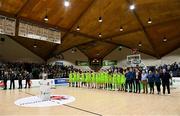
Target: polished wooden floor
(94, 102)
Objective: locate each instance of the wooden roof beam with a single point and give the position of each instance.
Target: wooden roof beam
(144, 51)
(84, 43)
(109, 51)
(18, 13)
(83, 52)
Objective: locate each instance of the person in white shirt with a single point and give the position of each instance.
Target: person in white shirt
(144, 81)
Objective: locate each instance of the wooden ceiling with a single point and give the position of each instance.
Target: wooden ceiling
(165, 16)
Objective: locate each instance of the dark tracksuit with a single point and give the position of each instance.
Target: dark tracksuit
(5, 79)
(158, 82)
(20, 78)
(28, 77)
(151, 80)
(129, 80)
(12, 78)
(133, 81)
(138, 86)
(165, 81)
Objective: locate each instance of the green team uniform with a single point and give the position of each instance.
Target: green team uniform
(123, 79)
(110, 79)
(70, 77)
(85, 74)
(78, 78)
(74, 77)
(88, 77)
(83, 77)
(97, 78)
(106, 77)
(102, 78)
(114, 78)
(93, 77)
(119, 79)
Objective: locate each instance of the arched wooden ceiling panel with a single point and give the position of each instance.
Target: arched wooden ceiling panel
(115, 13)
(11, 6)
(42, 49)
(169, 30)
(97, 49)
(133, 39)
(158, 10)
(70, 41)
(57, 13)
(167, 47)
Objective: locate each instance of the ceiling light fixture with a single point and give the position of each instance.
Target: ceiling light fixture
(100, 19)
(132, 7)
(140, 44)
(46, 18)
(100, 35)
(78, 28)
(149, 21)
(73, 50)
(164, 39)
(121, 28)
(66, 3)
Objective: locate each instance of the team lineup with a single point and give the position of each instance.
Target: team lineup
(98, 80)
(129, 80)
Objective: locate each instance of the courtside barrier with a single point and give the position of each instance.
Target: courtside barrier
(36, 82)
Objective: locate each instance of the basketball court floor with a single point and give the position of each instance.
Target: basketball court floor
(91, 102)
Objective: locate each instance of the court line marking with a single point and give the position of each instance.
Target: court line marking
(82, 110)
(70, 106)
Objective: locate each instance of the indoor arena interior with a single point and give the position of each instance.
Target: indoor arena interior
(89, 57)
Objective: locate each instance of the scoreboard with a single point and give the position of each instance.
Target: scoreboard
(7, 25)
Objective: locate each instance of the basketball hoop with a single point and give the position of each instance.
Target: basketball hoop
(133, 60)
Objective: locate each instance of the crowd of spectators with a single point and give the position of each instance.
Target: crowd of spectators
(54, 71)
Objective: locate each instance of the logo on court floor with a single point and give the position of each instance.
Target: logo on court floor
(36, 101)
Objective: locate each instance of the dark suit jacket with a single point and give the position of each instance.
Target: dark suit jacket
(165, 77)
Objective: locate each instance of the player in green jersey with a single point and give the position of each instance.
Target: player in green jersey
(70, 79)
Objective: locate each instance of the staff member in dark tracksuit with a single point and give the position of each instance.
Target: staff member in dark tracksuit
(129, 79)
(165, 77)
(157, 81)
(138, 80)
(20, 78)
(127, 83)
(4, 75)
(12, 78)
(151, 79)
(132, 79)
(28, 77)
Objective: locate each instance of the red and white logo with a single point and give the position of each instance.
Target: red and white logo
(36, 101)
